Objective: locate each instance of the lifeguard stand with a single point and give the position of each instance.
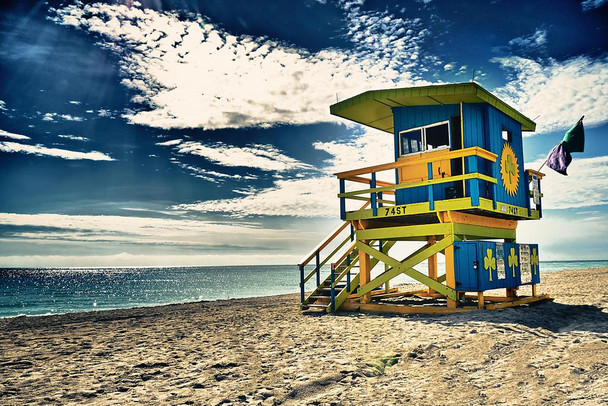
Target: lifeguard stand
(460, 188)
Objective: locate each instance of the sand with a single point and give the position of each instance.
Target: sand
(265, 351)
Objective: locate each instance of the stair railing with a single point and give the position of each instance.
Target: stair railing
(316, 255)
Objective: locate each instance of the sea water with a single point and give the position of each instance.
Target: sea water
(53, 291)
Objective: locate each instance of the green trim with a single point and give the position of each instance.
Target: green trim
(472, 231)
(388, 233)
(374, 108)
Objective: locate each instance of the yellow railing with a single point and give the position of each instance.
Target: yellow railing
(377, 188)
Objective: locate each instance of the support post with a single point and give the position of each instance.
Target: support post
(364, 272)
(534, 289)
(317, 264)
(450, 276)
(432, 262)
(480, 300)
(332, 290)
(301, 283)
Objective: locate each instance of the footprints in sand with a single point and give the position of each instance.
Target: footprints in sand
(253, 351)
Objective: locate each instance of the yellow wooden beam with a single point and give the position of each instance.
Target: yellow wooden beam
(518, 302)
(473, 219)
(400, 309)
(364, 269)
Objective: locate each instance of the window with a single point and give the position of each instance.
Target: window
(427, 138)
(507, 135)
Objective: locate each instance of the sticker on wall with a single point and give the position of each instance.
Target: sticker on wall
(500, 261)
(513, 261)
(534, 260)
(489, 263)
(524, 263)
(509, 170)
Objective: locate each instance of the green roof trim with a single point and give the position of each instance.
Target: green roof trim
(374, 108)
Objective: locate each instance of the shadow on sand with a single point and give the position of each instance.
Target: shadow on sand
(551, 316)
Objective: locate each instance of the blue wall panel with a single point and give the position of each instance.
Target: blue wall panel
(466, 264)
(485, 265)
(406, 118)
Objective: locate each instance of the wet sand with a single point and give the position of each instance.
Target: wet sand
(265, 351)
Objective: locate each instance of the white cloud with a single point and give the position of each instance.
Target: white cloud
(534, 41)
(77, 230)
(14, 136)
(73, 137)
(314, 197)
(2, 105)
(104, 113)
(54, 116)
(372, 147)
(585, 185)
(592, 4)
(76, 102)
(448, 66)
(558, 92)
(264, 157)
(178, 66)
(213, 176)
(6, 146)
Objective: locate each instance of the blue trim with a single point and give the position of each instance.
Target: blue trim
(429, 167)
(342, 200)
(473, 183)
(372, 185)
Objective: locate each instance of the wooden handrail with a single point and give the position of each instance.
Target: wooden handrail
(459, 153)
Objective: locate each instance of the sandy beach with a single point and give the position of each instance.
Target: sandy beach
(265, 351)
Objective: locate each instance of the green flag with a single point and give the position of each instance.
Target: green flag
(574, 140)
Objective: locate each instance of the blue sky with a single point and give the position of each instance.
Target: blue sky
(198, 132)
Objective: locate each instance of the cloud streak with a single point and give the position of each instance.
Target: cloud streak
(13, 136)
(39, 150)
(258, 156)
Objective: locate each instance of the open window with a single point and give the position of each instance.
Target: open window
(507, 135)
(427, 138)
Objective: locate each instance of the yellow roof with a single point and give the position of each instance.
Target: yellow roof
(373, 108)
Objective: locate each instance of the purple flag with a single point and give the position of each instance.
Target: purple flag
(559, 159)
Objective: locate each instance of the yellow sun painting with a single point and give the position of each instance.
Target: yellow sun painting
(509, 169)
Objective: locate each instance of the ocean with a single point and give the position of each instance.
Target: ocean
(48, 291)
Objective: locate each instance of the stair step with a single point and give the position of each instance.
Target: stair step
(319, 297)
(318, 305)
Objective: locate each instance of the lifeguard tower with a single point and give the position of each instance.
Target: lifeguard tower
(460, 189)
